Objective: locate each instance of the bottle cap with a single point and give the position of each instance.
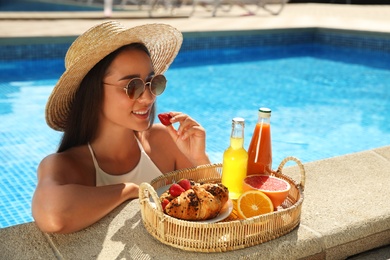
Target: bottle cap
(264, 112)
(238, 120)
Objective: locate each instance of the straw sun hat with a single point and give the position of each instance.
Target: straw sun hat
(163, 42)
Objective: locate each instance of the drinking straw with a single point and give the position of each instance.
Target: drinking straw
(258, 142)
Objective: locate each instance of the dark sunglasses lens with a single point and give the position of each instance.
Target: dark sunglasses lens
(158, 84)
(135, 88)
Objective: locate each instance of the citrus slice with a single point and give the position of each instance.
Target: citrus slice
(253, 203)
(275, 188)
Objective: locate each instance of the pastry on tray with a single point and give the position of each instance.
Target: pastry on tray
(190, 200)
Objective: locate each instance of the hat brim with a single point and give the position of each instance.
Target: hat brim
(163, 42)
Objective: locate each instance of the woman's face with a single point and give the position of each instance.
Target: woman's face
(118, 108)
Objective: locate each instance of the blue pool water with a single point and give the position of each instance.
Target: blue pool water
(46, 6)
(325, 102)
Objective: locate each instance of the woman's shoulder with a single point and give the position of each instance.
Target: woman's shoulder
(159, 128)
(158, 133)
(72, 154)
(71, 165)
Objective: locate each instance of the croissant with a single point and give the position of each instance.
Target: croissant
(201, 202)
(218, 190)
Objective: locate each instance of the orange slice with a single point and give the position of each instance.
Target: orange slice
(275, 188)
(253, 203)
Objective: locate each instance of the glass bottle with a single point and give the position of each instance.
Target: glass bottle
(260, 148)
(235, 160)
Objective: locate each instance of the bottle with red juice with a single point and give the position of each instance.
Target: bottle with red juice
(260, 148)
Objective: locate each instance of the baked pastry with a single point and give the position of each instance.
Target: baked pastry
(199, 202)
(218, 190)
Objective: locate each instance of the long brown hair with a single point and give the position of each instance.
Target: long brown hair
(81, 125)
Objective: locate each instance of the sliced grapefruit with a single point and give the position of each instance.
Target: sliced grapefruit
(253, 203)
(275, 188)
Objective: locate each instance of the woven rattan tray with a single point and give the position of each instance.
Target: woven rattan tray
(229, 234)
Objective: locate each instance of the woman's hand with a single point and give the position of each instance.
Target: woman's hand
(190, 138)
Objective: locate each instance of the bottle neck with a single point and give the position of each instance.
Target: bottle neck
(237, 131)
(236, 143)
(264, 115)
(264, 120)
(237, 136)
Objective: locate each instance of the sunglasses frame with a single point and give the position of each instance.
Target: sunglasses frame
(144, 84)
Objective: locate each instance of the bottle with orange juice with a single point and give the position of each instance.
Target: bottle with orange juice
(260, 149)
(235, 160)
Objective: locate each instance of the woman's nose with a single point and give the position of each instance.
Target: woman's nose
(147, 95)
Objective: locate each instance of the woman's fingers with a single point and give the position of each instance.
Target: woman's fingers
(185, 122)
(187, 126)
(190, 137)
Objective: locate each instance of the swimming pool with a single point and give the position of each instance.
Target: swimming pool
(46, 6)
(327, 99)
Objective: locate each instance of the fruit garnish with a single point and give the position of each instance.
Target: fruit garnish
(164, 203)
(275, 188)
(175, 190)
(185, 184)
(253, 203)
(165, 118)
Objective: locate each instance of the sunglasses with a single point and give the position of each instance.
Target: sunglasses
(136, 87)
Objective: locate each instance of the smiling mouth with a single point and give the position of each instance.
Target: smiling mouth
(141, 113)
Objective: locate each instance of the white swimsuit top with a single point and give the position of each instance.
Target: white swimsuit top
(144, 171)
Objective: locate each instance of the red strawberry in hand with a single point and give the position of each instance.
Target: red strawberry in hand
(164, 203)
(185, 184)
(175, 190)
(165, 118)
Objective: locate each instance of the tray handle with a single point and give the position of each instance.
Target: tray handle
(146, 190)
(301, 168)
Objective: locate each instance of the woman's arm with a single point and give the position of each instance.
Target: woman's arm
(62, 204)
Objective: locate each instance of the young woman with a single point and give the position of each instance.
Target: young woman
(105, 105)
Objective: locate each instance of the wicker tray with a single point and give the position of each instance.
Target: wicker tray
(229, 234)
